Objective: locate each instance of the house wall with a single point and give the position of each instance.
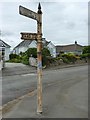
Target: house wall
(16, 51)
(7, 52)
(2, 58)
(25, 48)
(78, 52)
(75, 48)
(22, 49)
(19, 49)
(52, 49)
(33, 44)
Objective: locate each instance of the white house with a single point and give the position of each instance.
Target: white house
(4, 49)
(24, 45)
(51, 47)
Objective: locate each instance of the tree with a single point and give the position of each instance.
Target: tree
(31, 52)
(86, 52)
(45, 52)
(86, 49)
(45, 55)
(69, 57)
(13, 56)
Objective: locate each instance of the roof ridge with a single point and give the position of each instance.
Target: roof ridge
(66, 45)
(5, 44)
(24, 42)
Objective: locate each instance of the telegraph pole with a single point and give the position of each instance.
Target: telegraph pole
(39, 58)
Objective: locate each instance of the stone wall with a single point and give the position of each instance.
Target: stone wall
(33, 61)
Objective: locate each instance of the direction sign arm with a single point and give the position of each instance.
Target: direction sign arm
(28, 13)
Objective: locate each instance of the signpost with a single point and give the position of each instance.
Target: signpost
(35, 36)
(28, 13)
(30, 36)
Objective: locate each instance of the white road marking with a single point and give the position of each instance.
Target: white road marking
(31, 74)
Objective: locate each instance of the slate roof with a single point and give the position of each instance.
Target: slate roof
(24, 43)
(28, 42)
(71, 47)
(4, 44)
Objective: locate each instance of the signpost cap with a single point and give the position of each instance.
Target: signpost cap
(39, 6)
(39, 9)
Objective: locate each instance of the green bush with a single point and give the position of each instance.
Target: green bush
(45, 56)
(25, 60)
(69, 57)
(65, 60)
(45, 52)
(86, 55)
(24, 57)
(44, 60)
(86, 52)
(86, 49)
(15, 60)
(13, 56)
(57, 58)
(31, 52)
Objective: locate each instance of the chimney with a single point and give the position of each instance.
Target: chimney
(75, 42)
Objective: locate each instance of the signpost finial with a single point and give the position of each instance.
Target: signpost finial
(39, 9)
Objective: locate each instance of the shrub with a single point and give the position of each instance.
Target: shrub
(86, 55)
(31, 51)
(65, 60)
(70, 57)
(13, 56)
(45, 56)
(45, 52)
(25, 60)
(86, 49)
(15, 60)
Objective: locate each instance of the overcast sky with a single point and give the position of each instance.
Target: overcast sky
(63, 22)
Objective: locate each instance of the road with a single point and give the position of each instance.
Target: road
(18, 85)
(65, 93)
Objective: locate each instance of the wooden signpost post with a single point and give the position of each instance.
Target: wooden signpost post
(35, 36)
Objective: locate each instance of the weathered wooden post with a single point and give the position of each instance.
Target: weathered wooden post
(39, 58)
(35, 36)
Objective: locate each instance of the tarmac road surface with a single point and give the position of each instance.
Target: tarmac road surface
(65, 92)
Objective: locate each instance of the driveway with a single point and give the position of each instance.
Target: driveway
(16, 69)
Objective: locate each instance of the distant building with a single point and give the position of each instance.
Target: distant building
(25, 44)
(50, 46)
(4, 50)
(73, 48)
